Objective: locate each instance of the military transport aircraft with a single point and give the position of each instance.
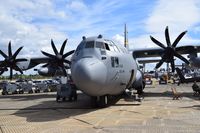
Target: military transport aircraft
(99, 67)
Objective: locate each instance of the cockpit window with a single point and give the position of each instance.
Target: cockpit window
(89, 44)
(115, 48)
(80, 46)
(100, 45)
(107, 47)
(111, 47)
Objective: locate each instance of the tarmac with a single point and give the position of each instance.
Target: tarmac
(156, 113)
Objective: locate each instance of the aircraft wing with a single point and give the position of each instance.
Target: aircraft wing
(39, 60)
(157, 52)
(147, 52)
(148, 61)
(188, 49)
(32, 62)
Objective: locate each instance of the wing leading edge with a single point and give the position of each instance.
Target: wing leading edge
(157, 52)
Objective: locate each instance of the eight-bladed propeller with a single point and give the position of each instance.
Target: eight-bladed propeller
(58, 59)
(169, 51)
(10, 61)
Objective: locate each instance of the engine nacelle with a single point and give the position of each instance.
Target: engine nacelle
(50, 71)
(24, 65)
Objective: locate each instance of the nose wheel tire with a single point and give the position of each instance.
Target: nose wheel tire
(100, 101)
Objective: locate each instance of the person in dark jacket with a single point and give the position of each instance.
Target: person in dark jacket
(196, 88)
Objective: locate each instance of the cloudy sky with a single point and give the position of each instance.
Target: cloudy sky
(32, 23)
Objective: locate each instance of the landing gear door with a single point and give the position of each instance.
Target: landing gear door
(130, 80)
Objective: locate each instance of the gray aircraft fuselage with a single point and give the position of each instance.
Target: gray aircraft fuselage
(100, 67)
(195, 62)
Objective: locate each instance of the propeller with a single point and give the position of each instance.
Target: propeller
(10, 61)
(58, 59)
(169, 51)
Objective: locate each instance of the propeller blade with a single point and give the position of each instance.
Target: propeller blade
(178, 38)
(11, 73)
(3, 64)
(157, 42)
(63, 47)
(9, 49)
(181, 58)
(68, 62)
(64, 71)
(45, 65)
(172, 66)
(54, 48)
(3, 54)
(2, 72)
(68, 53)
(167, 37)
(48, 55)
(18, 69)
(17, 52)
(159, 64)
(20, 60)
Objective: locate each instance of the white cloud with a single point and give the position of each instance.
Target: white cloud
(16, 25)
(77, 5)
(119, 39)
(33, 23)
(177, 14)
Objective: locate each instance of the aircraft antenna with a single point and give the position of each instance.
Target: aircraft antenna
(125, 36)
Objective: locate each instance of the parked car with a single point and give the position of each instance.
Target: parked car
(41, 86)
(12, 88)
(3, 84)
(25, 85)
(35, 83)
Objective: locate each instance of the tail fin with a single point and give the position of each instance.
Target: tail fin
(182, 78)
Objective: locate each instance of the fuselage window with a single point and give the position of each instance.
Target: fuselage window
(100, 45)
(89, 44)
(107, 48)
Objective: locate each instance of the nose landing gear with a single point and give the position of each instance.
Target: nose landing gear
(100, 101)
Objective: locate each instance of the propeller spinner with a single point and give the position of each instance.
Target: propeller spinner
(170, 50)
(10, 61)
(58, 59)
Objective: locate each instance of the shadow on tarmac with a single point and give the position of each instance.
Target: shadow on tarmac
(51, 110)
(196, 107)
(170, 95)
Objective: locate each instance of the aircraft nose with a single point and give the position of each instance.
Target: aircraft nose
(89, 75)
